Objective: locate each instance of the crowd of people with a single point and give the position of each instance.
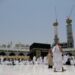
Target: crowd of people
(55, 59)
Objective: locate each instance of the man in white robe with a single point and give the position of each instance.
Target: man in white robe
(45, 60)
(65, 58)
(57, 58)
(34, 60)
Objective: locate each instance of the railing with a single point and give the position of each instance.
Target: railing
(14, 49)
(15, 57)
(69, 49)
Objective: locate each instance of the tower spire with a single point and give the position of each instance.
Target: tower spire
(70, 41)
(55, 25)
(56, 39)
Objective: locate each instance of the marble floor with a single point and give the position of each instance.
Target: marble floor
(33, 70)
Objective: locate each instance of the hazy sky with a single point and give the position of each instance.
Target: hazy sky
(31, 21)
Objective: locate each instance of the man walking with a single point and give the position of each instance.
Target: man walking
(57, 58)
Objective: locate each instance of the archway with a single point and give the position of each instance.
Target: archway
(12, 54)
(2, 53)
(21, 54)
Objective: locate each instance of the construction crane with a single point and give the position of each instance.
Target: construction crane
(68, 20)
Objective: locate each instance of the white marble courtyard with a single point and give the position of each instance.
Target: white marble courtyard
(33, 70)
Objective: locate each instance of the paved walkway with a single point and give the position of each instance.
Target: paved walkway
(33, 70)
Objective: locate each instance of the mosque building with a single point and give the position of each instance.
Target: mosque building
(40, 49)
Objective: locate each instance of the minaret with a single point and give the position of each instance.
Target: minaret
(56, 39)
(70, 41)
